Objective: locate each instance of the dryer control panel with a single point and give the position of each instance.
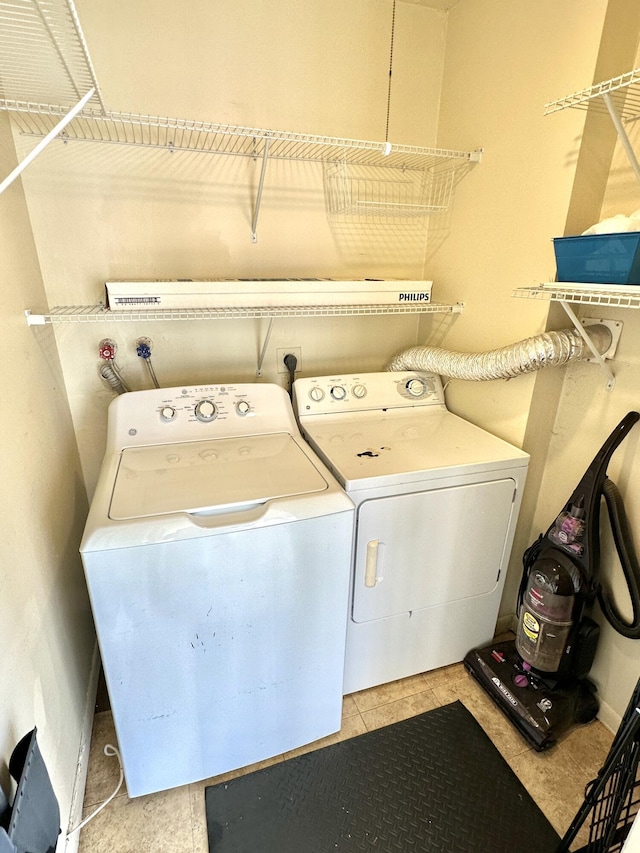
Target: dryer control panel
(366, 392)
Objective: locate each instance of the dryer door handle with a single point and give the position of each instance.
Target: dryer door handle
(371, 564)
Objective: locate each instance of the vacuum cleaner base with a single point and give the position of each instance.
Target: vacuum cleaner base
(540, 713)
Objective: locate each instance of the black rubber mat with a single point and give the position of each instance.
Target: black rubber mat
(431, 783)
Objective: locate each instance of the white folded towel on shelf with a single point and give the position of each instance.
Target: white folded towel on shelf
(618, 224)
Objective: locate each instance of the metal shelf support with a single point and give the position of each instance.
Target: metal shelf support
(256, 212)
(622, 135)
(568, 293)
(585, 337)
(265, 344)
(620, 96)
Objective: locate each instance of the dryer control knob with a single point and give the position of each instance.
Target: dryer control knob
(206, 411)
(167, 413)
(359, 391)
(243, 407)
(416, 387)
(338, 392)
(316, 394)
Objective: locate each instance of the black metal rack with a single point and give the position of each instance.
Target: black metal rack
(612, 799)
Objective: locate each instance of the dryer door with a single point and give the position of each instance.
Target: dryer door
(428, 548)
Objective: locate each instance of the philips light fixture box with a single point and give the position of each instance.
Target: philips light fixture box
(270, 293)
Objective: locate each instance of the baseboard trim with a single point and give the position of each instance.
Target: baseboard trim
(609, 718)
(70, 845)
(506, 623)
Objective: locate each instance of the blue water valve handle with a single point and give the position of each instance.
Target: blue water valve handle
(143, 350)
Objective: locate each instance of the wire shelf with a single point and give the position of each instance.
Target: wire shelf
(585, 294)
(101, 314)
(623, 90)
(43, 54)
(38, 119)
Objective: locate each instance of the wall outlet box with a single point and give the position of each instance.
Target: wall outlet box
(280, 354)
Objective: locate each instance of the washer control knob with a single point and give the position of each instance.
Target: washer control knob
(416, 387)
(316, 394)
(206, 411)
(338, 392)
(167, 413)
(359, 391)
(243, 407)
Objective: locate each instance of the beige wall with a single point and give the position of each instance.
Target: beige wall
(503, 62)
(46, 632)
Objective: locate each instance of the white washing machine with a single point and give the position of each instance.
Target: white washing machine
(437, 499)
(217, 554)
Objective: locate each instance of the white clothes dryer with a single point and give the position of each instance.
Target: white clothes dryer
(437, 499)
(217, 556)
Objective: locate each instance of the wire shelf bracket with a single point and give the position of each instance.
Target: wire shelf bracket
(567, 293)
(256, 211)
(597, 357)
(622, 134)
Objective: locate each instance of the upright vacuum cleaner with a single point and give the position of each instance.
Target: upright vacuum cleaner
(539, 680)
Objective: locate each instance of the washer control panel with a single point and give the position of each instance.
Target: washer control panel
(191, 413)
(366, 391)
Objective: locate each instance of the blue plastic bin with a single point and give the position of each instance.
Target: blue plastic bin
(599, 259)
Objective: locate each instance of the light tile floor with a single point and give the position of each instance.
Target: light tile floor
(174, 821)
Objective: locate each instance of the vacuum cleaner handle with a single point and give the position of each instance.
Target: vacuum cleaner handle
(602, 457)
(585, 504)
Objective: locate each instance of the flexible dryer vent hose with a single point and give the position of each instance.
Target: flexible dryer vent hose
(549, 349)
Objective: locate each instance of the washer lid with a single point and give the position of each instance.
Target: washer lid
(214, 475)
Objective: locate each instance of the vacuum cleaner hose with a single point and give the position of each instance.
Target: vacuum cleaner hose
(628, 561)
(546, 350)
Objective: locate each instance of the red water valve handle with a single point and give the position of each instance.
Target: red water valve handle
(107, 351)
